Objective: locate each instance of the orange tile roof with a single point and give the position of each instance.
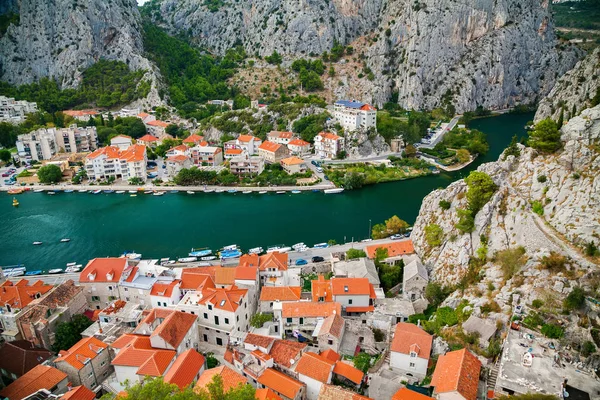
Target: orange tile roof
(349, 286)
(292, 161)
(174, 326)
(193, 139)
(271, 147)
(321, 288)
(134, 153)
(310, 309)
(110, 152)
(198, 278)
(123, 341)
(407, 336)
(158, 123)
(298, 142)
(394, 248)
(407, 394)
(246, 273)
(81, 352)
(130, 273)
(276, 260)
(280, 383)
(231, 379)
(249, 260)
(40, 377)
(283, 351)
(247, 138)
(143, 115)
(315, 367)
(79, 393)
(457, 371)
(266, 394)
(359, 309)
(281, 134)
(260, 355)
(227, 299)
(99, 268)
(281, 293)
(333, 325)
(233, 151)
(148, 138)
(259, 340)
(20, 294)
(179, 158)
(368, 107)
(225, 276)
(329, 135)
(181, 147)
(164, 289)
(349, 372)
(331, 392)
(185, 368)
(138, 352)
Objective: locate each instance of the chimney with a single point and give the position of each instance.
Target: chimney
(419, 323)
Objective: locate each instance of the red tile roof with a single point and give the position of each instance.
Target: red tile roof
(227, 299)
(185, 368)
(329, 136)
(134, 153)
(233, 151)
(315, 367)
(457, 371)
(197, 278)
(249, 260)
(271, 147)
(179, 158)
(99, 268)
(349, 286)
(174, 326)
(225, 276)
(276, 260)
(79, 393)
(231, 379)
(407, 394)
(247, 138)
(148, 138)
(266, 394)
(321, 288)
(359, 309)
(281, 135)
(259, 340)
(310, 309)
(333, 325)
(298, 142)
(283, 351)
(143, 115)
(138, 352)
(246, 273)
(164, 289)
(280, 383)
(394, 249)
(407, 336)
(19, 294)
(331, 392)
(193, 139)
(330, 355)
(349, 372)
(82, 352)
(162, 124)
(292, 161)
(281, 293)
(368, 107)
(40, 377)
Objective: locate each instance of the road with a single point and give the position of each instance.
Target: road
(439, 137)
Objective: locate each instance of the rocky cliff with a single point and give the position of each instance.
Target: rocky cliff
(433, 52)
(60, 38)
(576, 89)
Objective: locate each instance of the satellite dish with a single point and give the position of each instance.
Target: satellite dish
(292, 361)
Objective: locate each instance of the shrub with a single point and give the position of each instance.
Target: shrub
(481, 189)
(362, 361)
(545, 136)
(537, 303)
(533, 320)
(258, 320)
(378, 334)
(587, 348)
(435, 294)
(434, 235)
(552, 331)
(537, 207)
(355, 253)
(490, 306)
(510, 260)
(444, 204)
(542, 178)
(555, 262)
(575, 300)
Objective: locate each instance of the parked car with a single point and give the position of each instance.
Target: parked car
(317, 259)
(301, 261)
(319, 170)
(396, 236)
(5, 174)
(313, 162)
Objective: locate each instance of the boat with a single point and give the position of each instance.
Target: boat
(133, 195)
(315, 190)
(208, 258)
(71, 264)
(262, 192)
(14, 273)
(158, 193)
(219, 191)
(68, 190)
(97, 191)
(200, 252)
(527, 359)
(232, 191)
(225, 254)
(320, 246)
(333, 191)
(280, 249)
(52, 193)
(209, 190)
(38, 190)
(65, 240)
(247, 191)
(56, 271)
(74, 268)
(148, 192)
(190, 192)
(174, 191)
(298, 246)
(280, 192)
(255, 250)
(301, 249)
(132, 191)
(187, 259)
(230, 247)
(31, 273)
(164, 261)
(15, 202)
(15, 191)
(132, 255)
(82, 191)
(120, 192)
(109, 191)
(37, 243)
(435, 172)
(296, 191)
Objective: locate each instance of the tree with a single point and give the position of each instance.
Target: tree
(379, 231)
(354, 180)
(463, 156)
(355, 253)
(396, 225)
(381, 253)
(410, 151)
(434, 235)
(575, 300)
(362, 361)
(274, 58)
(49, 174)
(435, 294)
(545, 137)
(466, 222)
(5, 155)
(69, 333)
(552, 331)
(258, 320)
(481, 189)
(513, 148)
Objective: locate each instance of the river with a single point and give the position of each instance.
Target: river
(169, 226)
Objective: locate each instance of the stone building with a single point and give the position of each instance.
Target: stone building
(87, 363)
(414, 281)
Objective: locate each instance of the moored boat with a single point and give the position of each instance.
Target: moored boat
(262, 192)
(190, 192)
(280, 249)
(31, 273)
(200, 252)
(148, 192)
(320, 246)
(132, 191)
(82, 191)
(133, 195)
(247, 191)
(225, 254)
(209, 190)
(71, 264)
(15, 191)
(65, 240)
(132, 255)
(109, 191)
(52, 193)
(74, 268)
(219, 191)
(68, 190)
(208, 258)
(158, 193)
(187, 259)
(298, 246)
(296, 191)
(56, 271)
(120, 192)
(97, 191)
(38, 190)
(230, 247)
(232, 191)
(255, 250)
(174, 191)
(37, 243)
(280, 192)
(333, 191)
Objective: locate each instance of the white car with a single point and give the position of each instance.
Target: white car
(396, 237)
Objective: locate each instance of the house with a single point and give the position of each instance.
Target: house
(286, 354)
(207, 155)
(456, 376)
(186, 369)
(280, 137)
(248, 143)
(165, 293)
(177, 163)
(156, 128)
(79, 393)
(45, 143)
(272, 267)
(274, 294)
(484, 328)
(314, 371)
(86, 363)
(181, 149)
(407, 394)
(231, 378)
(329, 332)
(352, 115)
(20, 356)
(246, 165)
(149, 140)
(293, 165)
(396, 250)
(197, 279)
(232, 153)
(145, 117)
(272, 152)
(224, 276)
(169, 329)
(116, 162)
(266, 394)
(81, 115)
(414, 281)
(194, 140)
(284, 385)
(114, 321)
(348, 374)
(298, 147)
(14, 111)
(328, 145)
(122, 142)
(356, 295)
(331, 392)
(303, 316)
(39, 377)
(100, 279)
(410, 350)
(357, 268)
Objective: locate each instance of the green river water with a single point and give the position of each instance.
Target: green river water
(169, 226)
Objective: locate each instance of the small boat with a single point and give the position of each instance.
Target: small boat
(15, 202)
(74, 268)
(37, 243)
(52, 193)
(187, 259)
(333, 191)
(132, 255)
(280, 192)
(320, 246)
(30, 273)
(148, 192)
(132, 191)
(38, 190)
(527, 359)
(14, 273)
(280, 249)
(65, 240)
(164, 261)
(298, 246)
(200, 252)
(68, 190)
(262, 192)
(82, 191)
(174, 191)
(232, 191)
(209, 190)
(158, 193)
(315, 190)
(247, 191)
(97, 191)
(120, 192)
(230, 247)
(109, 191)
(71, 264)
(435, 172)
(208, 258)
(56, 271)
(219, 191)
(255, 250)
(133, 195)
(296, 191)
(15, 191)
(190, 192)
(301, 249)
(230, 254)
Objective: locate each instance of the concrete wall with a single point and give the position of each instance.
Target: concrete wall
(357, 300)
(450, 396)
(313, 386)
(414, 287)
(98, 295)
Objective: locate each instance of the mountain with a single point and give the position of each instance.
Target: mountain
(433, 52)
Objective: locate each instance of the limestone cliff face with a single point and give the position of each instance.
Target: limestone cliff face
(576, 88)
(61, 38)
(570, 196)
(474, 52)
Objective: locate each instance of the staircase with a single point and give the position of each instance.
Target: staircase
(493, 377)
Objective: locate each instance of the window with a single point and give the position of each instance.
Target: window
(289, 320)
(210, 307)
(95, 298)
(126, 298)
(110, 287)
(102, 363)
(330, 342)
(237, 318)
(125, 289)
(413, 354)
(412, 365)
(112, 298)
(90, 375)
(301, 321)
(216, 320)
(193, 312)
(226, 321)
(205, 316)
(349, 301)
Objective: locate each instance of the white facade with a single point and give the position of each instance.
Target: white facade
(248, 143)
(353, 300)
(328, 145)
(244, 165)
(44, 143)
(280, 137)
(352, 115)
(210, 155)
(112, 162)
(313, 386)
(409, 363)
(122, 142)
(15, 111)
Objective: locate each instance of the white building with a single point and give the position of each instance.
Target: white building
(352, 115)
(280, 137)
(247, 165)
(410, 350)
(298, 147)
(122, 142)
(15, 111)
(100, 279)
(111, 161)
(328, 145)
(249, 143)
(44, 143)
(314, 371)
(212, 156)
(414, 281)
(178, 162)
(169, 330)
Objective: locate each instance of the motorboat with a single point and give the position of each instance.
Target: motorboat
(187, 259)
(200, 252)
(262, 192)
(68, 190)
(298, 246)
(320, 246)
(56, 271)
(247, 191)
(82, 191)
(232, 191)
(296, 191)
(208, 258)
(230, 247)
(333, 191)
(158, 193)
(209, 190)
(280, 192)
(280, 249)
(301, 249)
(132, 255)
(38, 190)
(148, 192)
(32, 273)
(97, 191)
(108, 191)
(120, 192)
(51, 193)
(65, 240)
(190, 192)
(174, 191)
(71, 264)
(15, 191)
(133, 195)
(219, 191)
(14, 272)
(132, 191)
(74, 268)
(37, 243)
(255, 250)
(225, 254)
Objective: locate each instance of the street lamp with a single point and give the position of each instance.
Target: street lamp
(369, 229)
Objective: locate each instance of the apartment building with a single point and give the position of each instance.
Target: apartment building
(169, 329)
(165, 294)
(177, 163)
(100, 279)
(352, 115)
(298, 147)
(45, 143)
(302, 317)
(248, 143)
(111, 161)
(207, 155)
(280, 137)
(87, 363)
(15, 111)
(272, 267)
(356, 295)
(328, 145)
(272, 152)
(294, 165)
(246, 165)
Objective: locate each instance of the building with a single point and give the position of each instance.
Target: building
(156, 127)
(37, 145)
(303, 316)
(165, 294)
(248, 143)
(181, 149)
(186, 370)
(284, 385)
(247, 165)
(298, 147)
(328, 145)
(207, 155)
(19, 357)
(79, 393)
(45, 143)
(414, 281)
(111, 161)
(39, 377)
(357, 268)
(410, 350)
(114, 321)
(270, 295)
(136, 285)
(149, 140)
(273, 267)
(456, 376)
(169, 329)
(484, 328)
(76, 139)
(396, 250)
(87, 363)
(280, 137)
(194, 140)
(331, 392)
(100, 279)
(347, 373)
(356, 295)
(407, 394)
(122, 142)
(81, 115)
(294, 165)
(145, 117)
(15, 111)
(314, 371)
(353, 115)
(177, 163)
(231, 379)
(330, 332)
(232, 153)
(272, 152)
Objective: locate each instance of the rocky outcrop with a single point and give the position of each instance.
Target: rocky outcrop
(565, 185)
(61, 38)
(575, 89)
(433, 52)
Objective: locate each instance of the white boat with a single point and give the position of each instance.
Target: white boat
(37, 243)
(148, 192)
(82, 191)
(320, 246)
(333, 191)
(247, 191)
(209, 190)
(187, 259)
(65, 240)
(190, 192)
(132, 255)
(296, 191)
(208, 258)
(120, 192)
(298, 246)
(56, 271)
(133, 195)
(38, 190)
(255, 250)
(231, 247)
(280, 192)
(219, 191)
(71, 264)
(302, 249)
(280, 249)
(14, 273)
(74, 268)
(97, 191)
(262, 192)
(132, 191)
(52, 193)
(158, 193)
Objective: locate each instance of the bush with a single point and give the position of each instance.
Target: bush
(537, 303)
(542, 178)
(435, 294)
(537, 207)
(444, 204)
(555, 262)
(575, 300)
(434, 235)
(510, 260)
(545, 136)
(378, 334)
(552, 331)
(587, 348)
(481, 189)
(49, 174)
(211, 361)
(355, 253)
(362, 361)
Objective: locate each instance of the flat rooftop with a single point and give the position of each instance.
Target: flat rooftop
(548, 370)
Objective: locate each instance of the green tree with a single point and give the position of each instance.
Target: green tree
(381, 253)
(362, 361)
(463, 156)
(274, 58)
(434, 235)
(575, 300)
(587, 348)
(481, 189)
(466, 222)
(69, 333)
(310, 80)
(513, 148)
(49, 174)
(379, 231)
(435, 294)
(410, 151)
(552, 331)
(445, 204)
(545, 136)
(5, 156)
(258, 320)
(396, 225)
(354, 180)
(355, 253)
